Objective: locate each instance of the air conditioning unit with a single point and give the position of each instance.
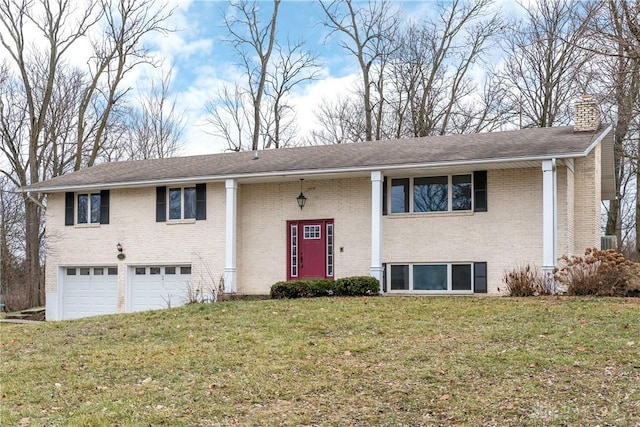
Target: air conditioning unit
(608, 242)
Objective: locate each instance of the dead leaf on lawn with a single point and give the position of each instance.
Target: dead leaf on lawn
(630, 343)
(25, 421)
(445, 397)
(580, 348)
(347, 353)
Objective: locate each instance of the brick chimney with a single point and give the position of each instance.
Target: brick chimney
(587, 115)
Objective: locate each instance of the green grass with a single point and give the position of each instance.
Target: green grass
(341, 361)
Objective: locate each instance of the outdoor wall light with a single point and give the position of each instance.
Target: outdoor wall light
(301, 199)
(119, 247)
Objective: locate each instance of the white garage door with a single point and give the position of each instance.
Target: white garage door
(156, 287)
(89, 291)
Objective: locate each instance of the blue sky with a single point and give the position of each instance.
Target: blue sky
(202, 61)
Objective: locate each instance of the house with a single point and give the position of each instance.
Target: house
(444, 214)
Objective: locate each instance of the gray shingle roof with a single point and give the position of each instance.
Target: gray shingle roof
(524, 144)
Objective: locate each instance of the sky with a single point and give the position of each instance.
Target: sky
(201, 60)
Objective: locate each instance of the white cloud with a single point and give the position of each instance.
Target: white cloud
(307, 101)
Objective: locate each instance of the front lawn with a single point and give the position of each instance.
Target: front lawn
(414, 361)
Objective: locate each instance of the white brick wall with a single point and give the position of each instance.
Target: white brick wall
(132, 223)
(264, 210)
(587, 204)
(508, 235)
(587, 115)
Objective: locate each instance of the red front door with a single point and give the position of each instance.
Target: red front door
(310, 249)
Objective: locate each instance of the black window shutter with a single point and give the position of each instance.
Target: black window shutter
(384, 196)
(201, 201)
(480, 191)
(104, 207)
(161, 204)
(384, 277)
(68, 208)
(480, 277)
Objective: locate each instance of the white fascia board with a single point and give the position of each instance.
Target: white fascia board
(311, 172)
(598, 140)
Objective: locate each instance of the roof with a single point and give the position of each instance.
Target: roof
(517, 145)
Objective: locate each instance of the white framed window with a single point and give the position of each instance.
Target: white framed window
(444, 193)
(431, 277)
(330, 247)
(182, 203)
(294, 250)
(88, 208)
(312, 232)
(85, 209)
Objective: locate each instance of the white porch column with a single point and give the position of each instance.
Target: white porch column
(549, 222)
(376, 226)
(230, 269)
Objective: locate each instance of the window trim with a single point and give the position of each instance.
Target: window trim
(71, 208)
(479, 194)
(90, 206)
(163, 204)
(410, 278)
(183, 191)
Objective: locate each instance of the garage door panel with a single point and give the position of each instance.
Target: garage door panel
(89, 291)
(156, 287)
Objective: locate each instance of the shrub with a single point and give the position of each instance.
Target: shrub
(599, 272)
(303, 289)
(357, 285)
(525, 282)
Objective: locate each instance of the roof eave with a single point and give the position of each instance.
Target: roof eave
(311, 172)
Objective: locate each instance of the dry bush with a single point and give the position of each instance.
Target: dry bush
(525, 281)
(599, 272)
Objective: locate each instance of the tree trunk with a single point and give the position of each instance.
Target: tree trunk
(32, 249)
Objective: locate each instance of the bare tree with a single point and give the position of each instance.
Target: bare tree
(251, 39)
(127, 21)
(38, 118)
(369, 33)
(545, 66)
(431, 72)
(614, 27)
(259, 109)
(340, 122)
(229, 118)
(292, 67)
(155, 126)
